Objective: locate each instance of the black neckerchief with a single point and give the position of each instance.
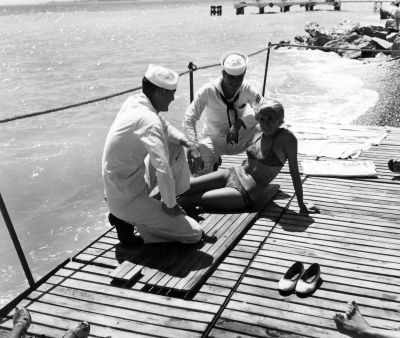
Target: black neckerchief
(230, 106)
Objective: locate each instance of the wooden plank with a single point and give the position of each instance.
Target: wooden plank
(37, 329)
(326, 299)
(187, 260)
(318, 308)
(277, 321)
(183, 306)
(283, 310)
(340, 261)
(97, 306)
(371, 226)
(103, 323)
(302, 243)
(228, 239)
(123, 269)
(230, 234)
(337, 236)
(350, 278)
(332, 246)
(235, 330)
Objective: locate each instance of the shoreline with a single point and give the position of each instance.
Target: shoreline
(383, 77)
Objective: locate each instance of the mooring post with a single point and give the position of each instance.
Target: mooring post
(15, 240)
(266, 68)
(192, 68)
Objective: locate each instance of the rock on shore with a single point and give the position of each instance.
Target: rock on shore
(351, 40)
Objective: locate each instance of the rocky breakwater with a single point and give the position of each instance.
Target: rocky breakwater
(351, 40)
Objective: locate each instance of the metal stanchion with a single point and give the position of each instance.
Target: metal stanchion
(192, 67)
(266, 67)
(15, 240)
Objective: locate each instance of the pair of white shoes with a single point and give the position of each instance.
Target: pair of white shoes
(303, 282)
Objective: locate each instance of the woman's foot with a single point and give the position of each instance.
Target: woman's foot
(80, 331)
(354, 324)
(21, 320)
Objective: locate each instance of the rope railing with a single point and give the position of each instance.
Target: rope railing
(103, 98)
(68, 106)
(190, 71)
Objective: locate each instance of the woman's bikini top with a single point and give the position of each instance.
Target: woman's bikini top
(271, 159)
(260, 168)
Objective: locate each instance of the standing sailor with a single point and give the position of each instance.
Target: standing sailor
(139, 131)
(228, 104)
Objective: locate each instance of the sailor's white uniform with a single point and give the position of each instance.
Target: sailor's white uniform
(210, 100)
(139, 131)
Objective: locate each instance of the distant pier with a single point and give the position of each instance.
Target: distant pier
(284, 5)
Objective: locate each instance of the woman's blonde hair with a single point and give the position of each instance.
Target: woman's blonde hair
(269, 105)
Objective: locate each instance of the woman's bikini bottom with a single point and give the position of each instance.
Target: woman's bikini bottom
(233, 182)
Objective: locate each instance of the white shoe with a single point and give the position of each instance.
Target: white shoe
(290, 278)
(308, 281)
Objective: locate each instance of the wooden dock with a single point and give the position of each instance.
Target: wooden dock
(355, 239)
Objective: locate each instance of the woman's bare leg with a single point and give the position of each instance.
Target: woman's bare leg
(224, 198)
(214, 180)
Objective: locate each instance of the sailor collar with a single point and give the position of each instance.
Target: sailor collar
(143, 99)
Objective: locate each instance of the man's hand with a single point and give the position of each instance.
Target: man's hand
(174, 211)
(195, 160)
(233, 134)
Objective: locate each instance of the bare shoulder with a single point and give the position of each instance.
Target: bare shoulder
(286, 136)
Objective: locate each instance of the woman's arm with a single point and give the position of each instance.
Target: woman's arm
(290, 143)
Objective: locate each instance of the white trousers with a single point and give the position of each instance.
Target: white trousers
(154, 225)
(212, 147)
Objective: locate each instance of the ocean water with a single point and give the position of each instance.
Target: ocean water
(62, 53)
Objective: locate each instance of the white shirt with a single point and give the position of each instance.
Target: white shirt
(396, 13)
(216, 123)
(137, 131)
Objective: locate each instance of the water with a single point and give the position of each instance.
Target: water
(61, 53)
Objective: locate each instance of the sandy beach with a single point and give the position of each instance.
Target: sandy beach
(382, 76)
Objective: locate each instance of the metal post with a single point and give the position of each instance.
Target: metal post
(15, 240)
(191, 67)
(266, 68)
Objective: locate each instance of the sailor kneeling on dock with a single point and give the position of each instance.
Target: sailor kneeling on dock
(228, 104)
(137, 132)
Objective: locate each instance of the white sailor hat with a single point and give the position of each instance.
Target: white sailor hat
(234, 63)
(162, 77)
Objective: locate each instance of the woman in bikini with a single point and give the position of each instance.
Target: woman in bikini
(240, 187)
